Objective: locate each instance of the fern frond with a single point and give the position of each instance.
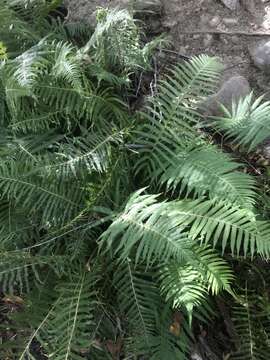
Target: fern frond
(251, 342)
(115, 43)
(187, 285)
(69, 331)
(81, 156)
(223, 224)
(163, 230)
(204, 170)
(171, 119)
(65, 329)
(67, 66)
(45, 196)
(247, 124)
(145, 226)
(138, 298)
(19, 270)
(171, 340)
(183, 286)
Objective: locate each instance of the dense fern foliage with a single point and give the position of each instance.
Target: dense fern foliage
(118, 229)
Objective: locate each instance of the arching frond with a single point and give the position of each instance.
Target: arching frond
(173, 152)
(68, 333)
(187, 285)
(45, 196)
(164, 230)
(183, 286)
(225, 225)
(204, 170)
(145, 226)
(247, 124)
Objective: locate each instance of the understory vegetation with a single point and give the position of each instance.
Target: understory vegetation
(124, 234)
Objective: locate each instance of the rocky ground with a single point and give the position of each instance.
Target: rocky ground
(224, 28)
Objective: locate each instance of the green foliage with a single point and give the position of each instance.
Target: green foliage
(252, 327)
(113, 225)
(247, 124)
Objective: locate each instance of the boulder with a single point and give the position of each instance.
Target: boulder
(249, 5)
(231, 91)
(231, 4)
(260, 55)
(148, 6)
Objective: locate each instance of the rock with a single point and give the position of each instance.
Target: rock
(235, 39)
(148, 6)
(215, 21)
(204, 19)
(249, 5)
(265, 149)
(155, 26)
(233, 89)
(260, 55)
(230, 21)
(208, 40)
(231, 4)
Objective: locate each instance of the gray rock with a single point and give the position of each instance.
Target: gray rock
(148, 6)
(231, 4)
(215, 21)
(208, 40)
(231, 91)
(230, 21)
(265, 150)
(249, 5)
(260, 55)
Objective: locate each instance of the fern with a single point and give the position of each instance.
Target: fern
(71, 313)
(250, 330)
(204, 170)
(18, 270)
(163, 229)
(138, 299)
(247, 125)
(103, 269)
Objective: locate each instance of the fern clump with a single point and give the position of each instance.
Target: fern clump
(117, 231)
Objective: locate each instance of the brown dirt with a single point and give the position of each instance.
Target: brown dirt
(205, 26)
(191, 20)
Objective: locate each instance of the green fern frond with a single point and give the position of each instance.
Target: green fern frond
(145, 226)
(81, 156)
(37, 195)
(252, 343)
(138, 298)
(65, 330)
(19, 271)
(247, 124)
(187, 285)
(67, 66)
(165, 343)
(225, 225)
(70, 328)
(183, 286)
(115, 43)
(215, 271)
(203, 170)
(164, 230)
